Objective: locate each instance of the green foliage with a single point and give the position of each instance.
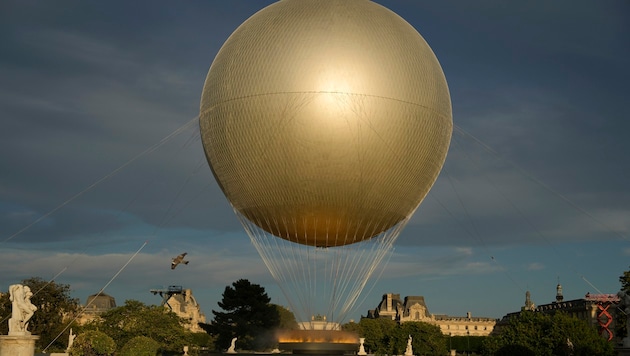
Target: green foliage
(55, 309)
(140, 346)
(387, 337)
(515, 350)
(247, 315)
(427, 339)
(93, 343)
(287, 318)
(137, 319)
(545, 334)
(377, 334)
(201, 341)
(620, 312)
(351, 327)
(466, 344)
(624, 279)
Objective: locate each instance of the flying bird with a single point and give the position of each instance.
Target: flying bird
(179, 259)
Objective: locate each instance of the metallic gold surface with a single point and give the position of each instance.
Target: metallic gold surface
(325, 122)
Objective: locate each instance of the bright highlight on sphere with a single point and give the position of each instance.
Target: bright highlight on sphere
(325, 122)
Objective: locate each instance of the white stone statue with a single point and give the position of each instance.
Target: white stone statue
(409, 351)
(232, 349)
(71, 337)
(361, 347)
(21, 309)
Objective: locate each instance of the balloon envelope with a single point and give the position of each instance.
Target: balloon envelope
(325, 122)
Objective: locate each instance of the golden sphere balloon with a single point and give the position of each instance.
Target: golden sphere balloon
(325, 122)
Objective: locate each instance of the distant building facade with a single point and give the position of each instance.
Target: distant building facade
(186, 307)
(596, 309)
(182, 303)
(318, 322)
(414, 308)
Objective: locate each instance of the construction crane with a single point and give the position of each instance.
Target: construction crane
(167, 293)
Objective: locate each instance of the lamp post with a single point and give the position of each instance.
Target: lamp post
(468, 342)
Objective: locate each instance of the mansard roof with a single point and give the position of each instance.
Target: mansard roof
(100, 301)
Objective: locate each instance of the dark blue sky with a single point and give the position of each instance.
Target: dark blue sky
(534, 188)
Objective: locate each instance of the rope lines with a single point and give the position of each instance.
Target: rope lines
(104, 178)
(539, 182)
(194, 136)
(321, 281)
(515, 206)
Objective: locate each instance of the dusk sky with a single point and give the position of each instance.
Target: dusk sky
(100, 152)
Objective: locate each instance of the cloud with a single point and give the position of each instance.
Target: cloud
(535, 266)
(89, 273)
(437, 262)
(537, 98)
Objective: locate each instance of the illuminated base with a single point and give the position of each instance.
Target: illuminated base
(319, 348)
(319, 342)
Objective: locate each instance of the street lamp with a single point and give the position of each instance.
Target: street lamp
(468, 342)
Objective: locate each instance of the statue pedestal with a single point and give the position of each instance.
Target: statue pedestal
(17, 345)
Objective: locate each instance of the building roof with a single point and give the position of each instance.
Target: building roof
(100, 301)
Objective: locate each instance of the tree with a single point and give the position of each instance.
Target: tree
(140, 346)
(624, 279)
(547, 334)
(621, 328)
(377, 334)
(202, 341)
(137, 319)
(427, 339)
(247, 315)
(352, 327)
(514, 350)
(287, 318)
(387, 337)
(55, 310)
(93, 343)
(466, 343)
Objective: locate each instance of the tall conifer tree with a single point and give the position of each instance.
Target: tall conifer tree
(247, 315)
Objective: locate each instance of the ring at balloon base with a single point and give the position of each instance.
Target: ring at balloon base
(318, 342)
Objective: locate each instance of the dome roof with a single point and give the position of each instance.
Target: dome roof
(100, 301)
